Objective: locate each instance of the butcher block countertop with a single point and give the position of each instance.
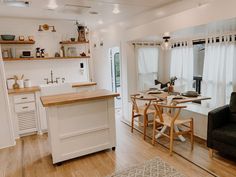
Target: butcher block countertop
(82, 84)
(37, 88)
(69, 98)
(24, 90)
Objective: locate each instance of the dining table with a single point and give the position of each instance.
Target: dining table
(174, 99)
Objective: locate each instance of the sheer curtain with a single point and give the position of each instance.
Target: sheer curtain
(218, 70)
(147, 66)
(182, 66)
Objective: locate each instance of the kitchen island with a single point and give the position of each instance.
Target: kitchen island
(80, 123)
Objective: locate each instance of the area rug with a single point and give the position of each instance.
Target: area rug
(152, 168)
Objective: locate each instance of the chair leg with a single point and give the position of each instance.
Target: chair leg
(153, 132)
(144, 126)
(211, 153)
(192, 134)
(171, 139)
(132, 123)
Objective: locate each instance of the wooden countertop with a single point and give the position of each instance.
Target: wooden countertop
(81, 84)
(37, 88)
(24, 90)
(69, 98)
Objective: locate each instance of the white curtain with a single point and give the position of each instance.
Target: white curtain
(147, 66)
(218, 70)
(182, 66)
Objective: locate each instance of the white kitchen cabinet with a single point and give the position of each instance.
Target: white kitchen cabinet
(24, 113)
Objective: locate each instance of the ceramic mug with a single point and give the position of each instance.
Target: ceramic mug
(20, 83)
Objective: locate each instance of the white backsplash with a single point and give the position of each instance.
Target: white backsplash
(36, 71)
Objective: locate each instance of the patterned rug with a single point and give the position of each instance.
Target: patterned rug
(152, 168)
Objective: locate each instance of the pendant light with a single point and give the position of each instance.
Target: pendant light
(166, 45)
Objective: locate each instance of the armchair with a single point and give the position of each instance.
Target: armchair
(221, 132)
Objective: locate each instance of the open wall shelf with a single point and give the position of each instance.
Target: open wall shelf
(74, 42)
(48, 58)
(17, 42)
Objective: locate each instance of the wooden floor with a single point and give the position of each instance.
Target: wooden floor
(31, 158)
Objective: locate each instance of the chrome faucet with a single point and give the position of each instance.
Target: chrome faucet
(52, 80)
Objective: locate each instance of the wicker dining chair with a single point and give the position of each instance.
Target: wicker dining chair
(144, 110)
(169, 116)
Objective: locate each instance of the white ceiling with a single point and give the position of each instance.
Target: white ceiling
(198, 32)
(128, 8)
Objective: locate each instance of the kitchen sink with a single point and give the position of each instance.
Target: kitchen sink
(54, 89)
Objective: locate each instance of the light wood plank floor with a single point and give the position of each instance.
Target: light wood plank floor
(31, 158)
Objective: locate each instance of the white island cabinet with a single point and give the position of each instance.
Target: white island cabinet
(80, 123)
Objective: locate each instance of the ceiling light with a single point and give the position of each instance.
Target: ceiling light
(52, 4)
(100, 22)
(116, 9)
(166, 45)
(93, 12)
(15, 3)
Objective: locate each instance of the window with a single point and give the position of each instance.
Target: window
(147, 59)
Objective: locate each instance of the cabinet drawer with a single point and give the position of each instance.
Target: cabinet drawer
(24, 98)
(25, 107)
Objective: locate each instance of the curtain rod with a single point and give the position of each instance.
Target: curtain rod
(146, 43)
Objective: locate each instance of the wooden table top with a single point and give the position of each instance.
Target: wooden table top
(24, 90)
(68, 98)
(184, 99)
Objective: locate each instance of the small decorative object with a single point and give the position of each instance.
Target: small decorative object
(38, 55)
(81, 32)
(170, 88)
(62, 51)
(8, 37)
(21, 38)
(20, 83)
(190, 94)
(16, 85)
(72, 39)
(71, 52)
(57, 55)
(94, 45)
(87, 34)
(10, 83)
(27, 83)
(5, 53)
(31, 38)
(42, 53)
(101, 43)
(46, 27)
(83, 54)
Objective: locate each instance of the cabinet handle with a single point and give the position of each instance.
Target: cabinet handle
(24, 98)
(25, 107)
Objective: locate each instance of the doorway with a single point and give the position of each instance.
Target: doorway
(116, 74)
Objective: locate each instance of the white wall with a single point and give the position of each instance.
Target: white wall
(38, 70)
(6, 130)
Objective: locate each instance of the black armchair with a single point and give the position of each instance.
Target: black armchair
(221, 132)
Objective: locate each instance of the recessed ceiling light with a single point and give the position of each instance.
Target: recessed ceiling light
(100, 22)
(16, 3)
(52, 4)
(116, 9)
(93, 12)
